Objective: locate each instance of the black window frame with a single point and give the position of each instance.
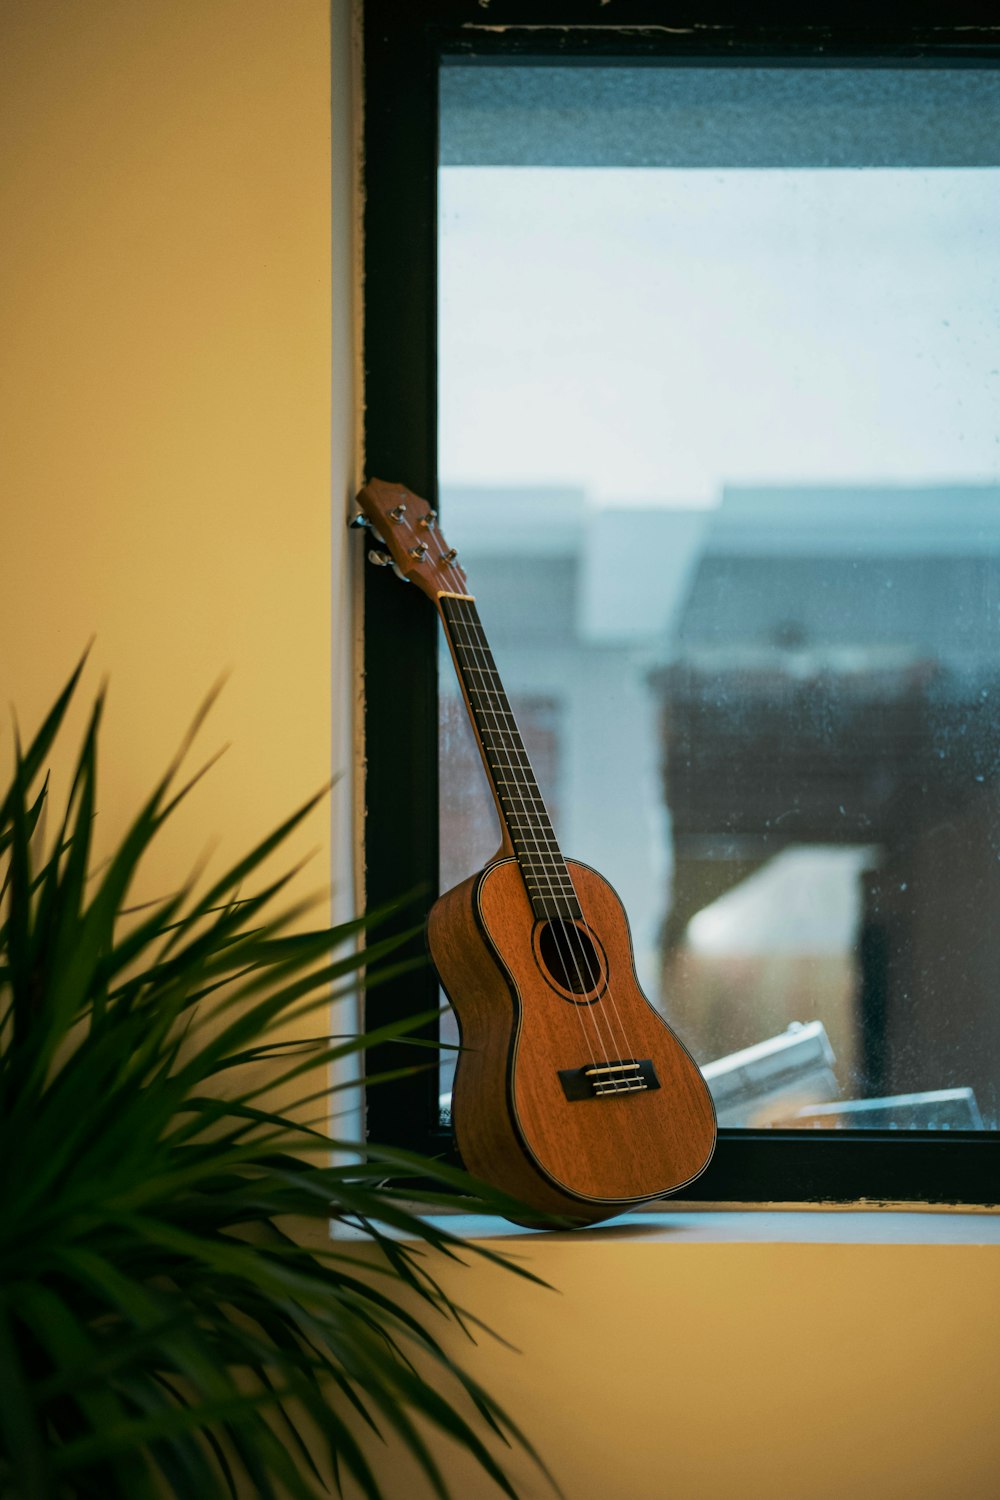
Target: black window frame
(403, 47)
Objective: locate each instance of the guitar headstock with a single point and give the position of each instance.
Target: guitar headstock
(408, 527)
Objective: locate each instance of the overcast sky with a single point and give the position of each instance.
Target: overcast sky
(653, 334)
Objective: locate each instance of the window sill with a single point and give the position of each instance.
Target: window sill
(799, 1224)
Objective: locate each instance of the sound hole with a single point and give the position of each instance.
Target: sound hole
(570, 956)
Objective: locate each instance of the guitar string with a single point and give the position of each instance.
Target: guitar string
(481, 665)
(574, 937)
(571, 942)
(567, 936)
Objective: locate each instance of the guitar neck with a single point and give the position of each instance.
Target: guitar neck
(515, 789)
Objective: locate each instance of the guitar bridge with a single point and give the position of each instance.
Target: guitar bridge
(598, 1080)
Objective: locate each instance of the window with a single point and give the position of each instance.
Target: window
(778, 818)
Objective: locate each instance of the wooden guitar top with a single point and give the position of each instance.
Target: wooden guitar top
(523, 1027)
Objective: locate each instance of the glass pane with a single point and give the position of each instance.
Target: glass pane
(718, 392)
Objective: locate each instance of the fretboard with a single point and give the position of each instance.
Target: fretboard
(507, 764)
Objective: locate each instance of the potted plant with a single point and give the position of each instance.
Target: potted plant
(162, 1330)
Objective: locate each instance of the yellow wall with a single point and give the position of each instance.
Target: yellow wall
(664, 1370)
(168, 311)
(165, 389)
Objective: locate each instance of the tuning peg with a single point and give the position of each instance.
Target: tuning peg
(419, 551)
(358, 521)
(383, 560)
(398, 512)
(450, 555)
(427, 519)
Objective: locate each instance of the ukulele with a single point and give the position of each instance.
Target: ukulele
(571, 1093)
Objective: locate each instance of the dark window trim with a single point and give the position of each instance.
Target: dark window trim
(404, 45)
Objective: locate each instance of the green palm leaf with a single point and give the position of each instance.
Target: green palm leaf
(160, 1329)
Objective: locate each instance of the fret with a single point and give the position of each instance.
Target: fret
(481, 670)
(492, 721)
(485, 713)
(483, 652)
(522, 797)
(479, 665)
(495, 711)
(473, 626)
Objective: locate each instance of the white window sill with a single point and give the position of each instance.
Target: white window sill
(696, 1223)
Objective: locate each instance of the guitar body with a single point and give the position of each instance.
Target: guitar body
(571, 1092)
